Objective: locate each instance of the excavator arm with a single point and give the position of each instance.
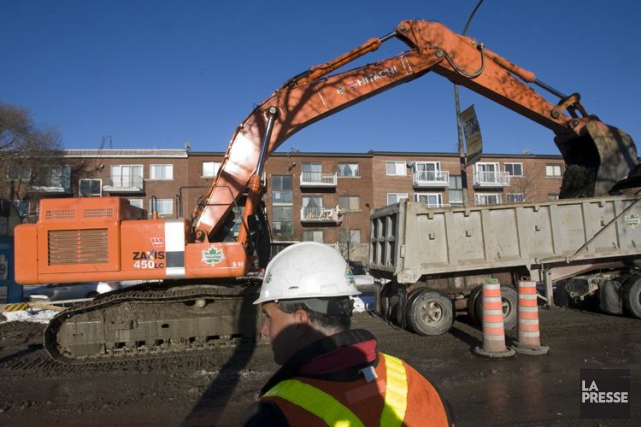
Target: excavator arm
(597, 155)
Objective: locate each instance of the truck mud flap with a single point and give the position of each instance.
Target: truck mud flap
(610, 297)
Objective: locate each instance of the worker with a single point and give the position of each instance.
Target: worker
(331, 374)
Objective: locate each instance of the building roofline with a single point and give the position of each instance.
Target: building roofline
(387, 154)
(127, 153)
(181, 153)
(484, 155)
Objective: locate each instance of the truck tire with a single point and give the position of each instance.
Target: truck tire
(472, 309)
(561, 297)
(632, 297)
(509, 299)
(430, 312)
(391, 309)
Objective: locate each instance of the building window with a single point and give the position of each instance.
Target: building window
(210, 169)
(138, 203)
(487, 199)
(350, 236)
(395, 197)
(554, 171)
(396, 168)
(313, 236)
(161, 172)
(487, 172)
(312, 207)
(19, 173)
(349, 203)
(22, 206)
(432, 200)
(126, 176)
(282, 189)
(165, 206)
(54, 176)
(312, 172)
(455, 191)
(90, 188)
(514, 169)
(283, 221)
(348, 170)
(515, 198)
(553, 196)
(428, 171)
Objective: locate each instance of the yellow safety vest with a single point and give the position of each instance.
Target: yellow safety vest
(334, 413)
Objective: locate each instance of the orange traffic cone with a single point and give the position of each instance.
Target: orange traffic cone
(529, 341)
(493, 324)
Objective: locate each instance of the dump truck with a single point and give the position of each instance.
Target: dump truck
(434, 260)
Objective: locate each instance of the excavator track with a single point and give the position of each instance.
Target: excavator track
(149, 321)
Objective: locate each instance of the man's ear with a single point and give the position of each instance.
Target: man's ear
(302, 317)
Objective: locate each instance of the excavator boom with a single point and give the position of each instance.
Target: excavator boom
(312, 96)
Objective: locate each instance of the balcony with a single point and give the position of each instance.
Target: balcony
(491, 179)
(52, 179)
(429, 179)
(332, 216)
(124, 184)
(51, 188)
(318, 180)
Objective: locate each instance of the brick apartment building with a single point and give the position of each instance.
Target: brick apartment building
(304, 190)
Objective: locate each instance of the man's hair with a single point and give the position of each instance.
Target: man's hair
(340, 322)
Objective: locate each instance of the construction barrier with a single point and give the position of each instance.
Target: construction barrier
(493, 324)
(16, 307)
(529, 341)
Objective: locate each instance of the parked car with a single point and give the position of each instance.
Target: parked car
(70, 291)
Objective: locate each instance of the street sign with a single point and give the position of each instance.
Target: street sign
(472, 132)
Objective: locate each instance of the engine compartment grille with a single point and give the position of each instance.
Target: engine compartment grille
(83, 246)
(60, 214)
(99, 213)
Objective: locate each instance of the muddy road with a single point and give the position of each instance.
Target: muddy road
(214, 389)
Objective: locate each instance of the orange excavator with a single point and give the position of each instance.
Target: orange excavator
(205, 285)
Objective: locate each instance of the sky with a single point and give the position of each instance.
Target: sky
(163, 73)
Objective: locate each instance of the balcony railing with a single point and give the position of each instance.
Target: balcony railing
(318, 179)
(431, 179)
(333, 215)
(124, 184)
(58, 188)
(491, 179)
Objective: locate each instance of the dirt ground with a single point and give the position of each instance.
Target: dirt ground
(214, 389)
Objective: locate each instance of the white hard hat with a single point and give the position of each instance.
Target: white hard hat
(307, 270)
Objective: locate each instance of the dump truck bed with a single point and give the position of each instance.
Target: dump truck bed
(410, 241)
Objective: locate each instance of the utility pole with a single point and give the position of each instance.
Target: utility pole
(459, 126)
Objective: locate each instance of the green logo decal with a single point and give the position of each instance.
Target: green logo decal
(350, 276)
(213, 256)
(632, 220)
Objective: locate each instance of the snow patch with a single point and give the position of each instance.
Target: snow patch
(30, 315)
(363, 302)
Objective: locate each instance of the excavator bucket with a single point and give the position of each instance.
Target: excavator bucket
(596, 160)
